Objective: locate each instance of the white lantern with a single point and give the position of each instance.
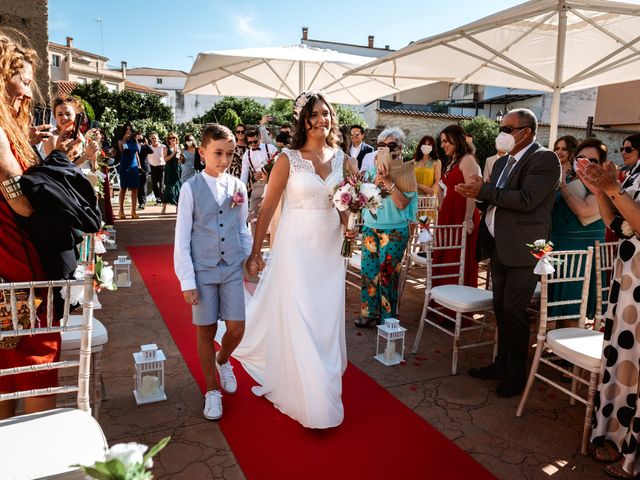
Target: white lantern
(111, 244)
(122, 271)
(392, 344)
(149, 363)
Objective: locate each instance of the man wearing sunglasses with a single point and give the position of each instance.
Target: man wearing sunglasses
(517, 204)
(254, 158)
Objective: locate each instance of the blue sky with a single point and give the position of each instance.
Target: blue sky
(169, 34)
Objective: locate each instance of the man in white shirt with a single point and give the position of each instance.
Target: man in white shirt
(156, 162)
(358, 148)
(517, 203)
(255, 157)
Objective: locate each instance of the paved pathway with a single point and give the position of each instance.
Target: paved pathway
(542, 444)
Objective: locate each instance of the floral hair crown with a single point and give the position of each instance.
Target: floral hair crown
(301, 101)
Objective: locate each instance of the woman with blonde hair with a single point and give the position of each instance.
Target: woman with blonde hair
(20, 259)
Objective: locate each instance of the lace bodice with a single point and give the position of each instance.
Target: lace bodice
(305, 189)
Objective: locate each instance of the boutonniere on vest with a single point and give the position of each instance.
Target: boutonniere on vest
(541, 250)
(237, 199)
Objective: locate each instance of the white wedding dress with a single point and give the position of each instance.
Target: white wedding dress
(294, 341)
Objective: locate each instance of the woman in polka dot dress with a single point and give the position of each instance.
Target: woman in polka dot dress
(616, 423)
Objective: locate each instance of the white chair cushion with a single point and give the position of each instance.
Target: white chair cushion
(420, 260)
(356, 260)
(71, 339)
(579, 346)
(75, 438)
(462, 298)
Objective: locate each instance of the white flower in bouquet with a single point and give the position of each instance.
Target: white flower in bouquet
(540, 244)
(343, 198)
(106, 276)
(627, 229)
(129, 454)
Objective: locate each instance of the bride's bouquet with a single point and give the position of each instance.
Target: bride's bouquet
(354, 194)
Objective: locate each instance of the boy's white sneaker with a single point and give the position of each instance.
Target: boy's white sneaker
(228, 380)
(212, 405)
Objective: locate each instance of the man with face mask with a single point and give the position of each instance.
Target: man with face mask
(517, 204)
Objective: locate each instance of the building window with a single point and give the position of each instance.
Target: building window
(55, 61)
(82, 80)
(112, 87)
(158, 81)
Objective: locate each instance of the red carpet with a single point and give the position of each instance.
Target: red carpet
(380, 438)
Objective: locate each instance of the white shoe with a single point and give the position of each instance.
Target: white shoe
(212, 405)
(228, 380)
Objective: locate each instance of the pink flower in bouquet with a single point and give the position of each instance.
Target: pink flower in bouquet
(362, 200)
(346, 198)
(237, 199)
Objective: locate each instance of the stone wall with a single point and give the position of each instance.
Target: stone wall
(31, 19)
(415, 126)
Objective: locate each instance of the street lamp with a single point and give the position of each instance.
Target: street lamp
(99, 20)
(499, 116)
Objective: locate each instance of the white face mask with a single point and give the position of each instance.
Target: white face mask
(505, 142)
(189, 143)
(426, 149)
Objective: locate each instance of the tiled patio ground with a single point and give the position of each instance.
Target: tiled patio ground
(544, 444)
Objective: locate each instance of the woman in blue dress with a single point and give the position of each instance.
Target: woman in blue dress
(129, 170)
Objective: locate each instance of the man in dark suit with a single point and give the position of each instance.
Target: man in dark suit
(358, 148)
(517, 205)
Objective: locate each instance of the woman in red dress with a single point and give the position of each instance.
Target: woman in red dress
(454, 208)
(19, 260)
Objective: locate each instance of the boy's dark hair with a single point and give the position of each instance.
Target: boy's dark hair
(214, 132)
(252, 132)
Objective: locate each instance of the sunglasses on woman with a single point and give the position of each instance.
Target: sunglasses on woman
(392, 146)
(240, 132)
(591, 160)
(626, 149)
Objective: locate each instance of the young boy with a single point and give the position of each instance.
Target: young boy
(211, 244)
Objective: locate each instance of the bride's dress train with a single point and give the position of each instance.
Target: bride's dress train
(294, 342)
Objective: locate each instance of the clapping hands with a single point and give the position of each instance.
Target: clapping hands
(471, 189)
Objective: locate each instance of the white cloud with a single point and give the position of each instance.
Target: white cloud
(246, 30)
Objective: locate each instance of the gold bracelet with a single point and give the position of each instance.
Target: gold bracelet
(10, 187)
(391, 188)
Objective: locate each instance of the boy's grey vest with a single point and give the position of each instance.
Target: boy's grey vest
(215, 231)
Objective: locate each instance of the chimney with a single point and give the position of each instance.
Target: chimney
(70, 42)
(305, 33)
(371, 37)
(123, 66)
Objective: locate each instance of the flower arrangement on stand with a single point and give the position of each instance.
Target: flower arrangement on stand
(125, 461)
(353, 195)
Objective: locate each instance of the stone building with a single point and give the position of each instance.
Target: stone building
(31, 20)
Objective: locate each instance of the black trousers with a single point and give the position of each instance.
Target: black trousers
(156, 181)
(142, 188)
(513, 288)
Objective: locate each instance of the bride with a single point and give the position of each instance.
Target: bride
(294, 341)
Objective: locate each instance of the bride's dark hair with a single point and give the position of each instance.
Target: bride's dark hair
(303, 122)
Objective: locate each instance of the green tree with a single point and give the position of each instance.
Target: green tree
(95, 94)
(249, 110)
(484, 132)
(282, 111)
(348, 116)
(230, 119)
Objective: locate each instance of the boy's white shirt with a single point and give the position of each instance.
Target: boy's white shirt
(220, 187)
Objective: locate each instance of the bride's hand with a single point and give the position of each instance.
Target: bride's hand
(255, 263)
(351, 234)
